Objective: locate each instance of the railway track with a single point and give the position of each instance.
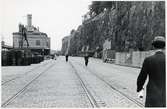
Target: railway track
(9, 80)
(91, 98)
(112, 87)
(12, 98)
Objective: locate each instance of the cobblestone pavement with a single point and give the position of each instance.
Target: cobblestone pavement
(11, 72)
(10, 88)
(59, 86)
(103, 93)
(121, 77)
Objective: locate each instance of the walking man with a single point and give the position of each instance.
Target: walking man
(154, 68)
(66, 57)
(86, 59)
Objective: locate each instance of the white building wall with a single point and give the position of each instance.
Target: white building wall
(32, 41)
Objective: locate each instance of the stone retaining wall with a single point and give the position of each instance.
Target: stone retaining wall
(134, 59)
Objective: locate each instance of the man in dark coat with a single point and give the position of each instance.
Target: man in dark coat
(66, 57)
(86, 59)
(154, 68)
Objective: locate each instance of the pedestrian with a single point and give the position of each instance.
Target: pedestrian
(86, 59)
(154, 68)
(66, 57)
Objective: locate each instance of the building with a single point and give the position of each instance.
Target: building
(39, 42)
(65, 45)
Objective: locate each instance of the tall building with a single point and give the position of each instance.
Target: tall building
(39, 42)
(65, 45)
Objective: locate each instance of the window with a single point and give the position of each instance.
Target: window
(37, 42)
(47, 44)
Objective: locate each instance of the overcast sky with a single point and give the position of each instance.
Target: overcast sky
(54, 17)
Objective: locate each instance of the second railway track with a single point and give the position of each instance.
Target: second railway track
(91, 98)
(112, 87)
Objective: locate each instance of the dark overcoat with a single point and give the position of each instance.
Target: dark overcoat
(154, 68)
(86, 60)
(66, 58)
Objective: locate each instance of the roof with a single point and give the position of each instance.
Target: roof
(31, 33)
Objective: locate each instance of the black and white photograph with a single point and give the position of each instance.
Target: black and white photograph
(82, 54)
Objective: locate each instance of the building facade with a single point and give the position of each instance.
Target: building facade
(39, 42)
(65, 45)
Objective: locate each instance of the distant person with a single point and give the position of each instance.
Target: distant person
(66, 57)
(55, 57)
(154, 68)
(86, 59)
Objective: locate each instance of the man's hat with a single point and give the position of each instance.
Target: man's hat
(159, 42)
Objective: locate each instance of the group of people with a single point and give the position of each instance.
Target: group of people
(86, 58)
(153, 68)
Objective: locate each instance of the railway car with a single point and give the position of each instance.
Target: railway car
(19, 57)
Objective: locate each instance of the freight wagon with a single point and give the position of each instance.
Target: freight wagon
(19, 57)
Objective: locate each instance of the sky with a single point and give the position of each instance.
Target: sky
(55, 17)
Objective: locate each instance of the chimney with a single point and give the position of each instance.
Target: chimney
(29, 20)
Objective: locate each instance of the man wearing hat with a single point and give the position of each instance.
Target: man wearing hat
(154, 68)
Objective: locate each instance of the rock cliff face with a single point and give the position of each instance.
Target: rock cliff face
(128, 25)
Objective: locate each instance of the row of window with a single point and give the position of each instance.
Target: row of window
(38, 43)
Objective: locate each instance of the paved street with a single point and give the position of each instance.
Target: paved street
(56, 83)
